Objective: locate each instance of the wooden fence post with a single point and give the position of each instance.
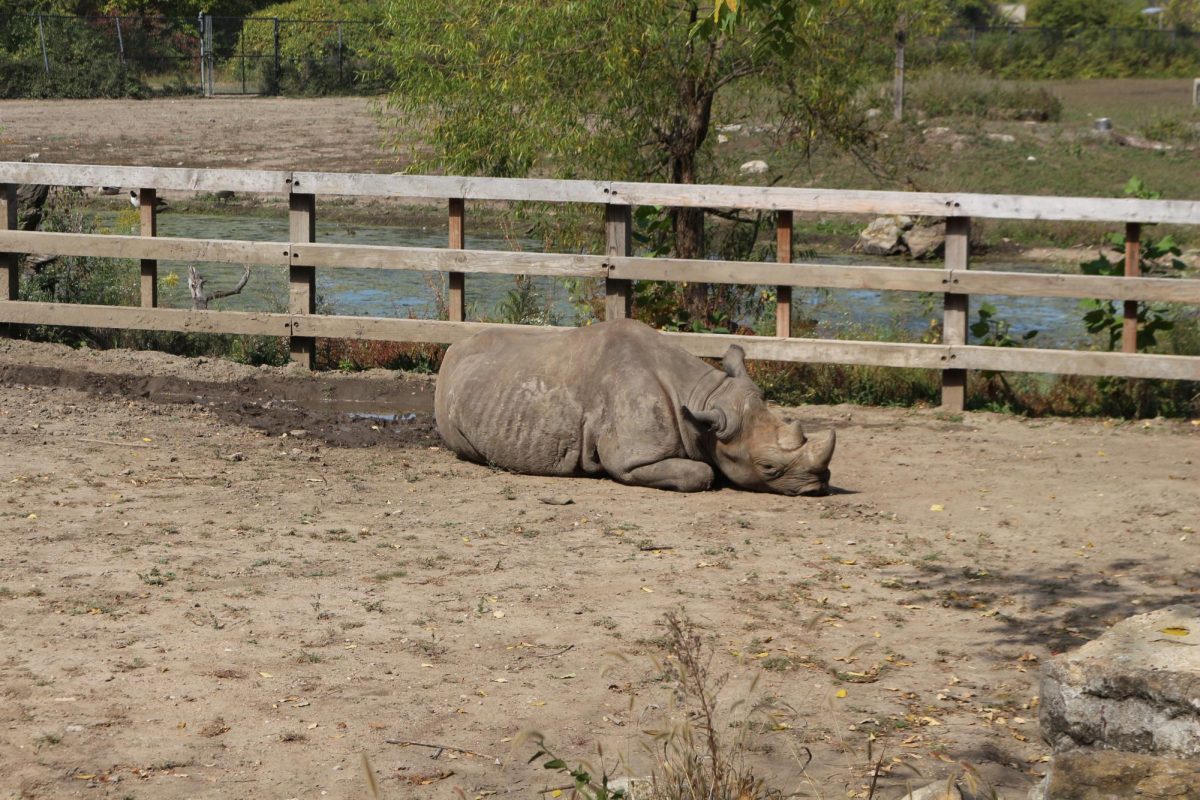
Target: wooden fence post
(618, 228)
(954, 315)
(1133, 269)
(302, 281)
(783, 254)
(10, 263)
(148, 213)
(456, 304)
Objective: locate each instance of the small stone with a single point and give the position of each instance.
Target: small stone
(556, 500)
(237, 456)
(755, 167)
(1007, 138)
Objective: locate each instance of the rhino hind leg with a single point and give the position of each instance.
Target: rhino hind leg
(675, 474)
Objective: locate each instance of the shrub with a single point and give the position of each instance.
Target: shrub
(947, 94)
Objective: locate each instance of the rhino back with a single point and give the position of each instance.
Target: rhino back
(545, 402)
(502, 397)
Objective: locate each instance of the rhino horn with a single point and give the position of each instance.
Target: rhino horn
(734, 362)
(791, 436)
(822, 451)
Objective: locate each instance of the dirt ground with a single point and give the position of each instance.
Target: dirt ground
(336, 134)
(215, 584)
(225, 582)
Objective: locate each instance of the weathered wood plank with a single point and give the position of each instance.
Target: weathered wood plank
(618, 234)
(456, 281)
(1133, 269)
(783, 255)
(434, 259)
(200, 180)
(136, 318)
(1184, 212)
(816, 351)
(10, 262)
(931, 356)
(302, 277)
(1094, 209)
(466, 188)
(137, 247)
(1024, 284)
(832, 276)
(148, 217)
(425, 331)
(955, 310)
(1067, 362)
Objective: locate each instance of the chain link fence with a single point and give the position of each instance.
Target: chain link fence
(47, 55)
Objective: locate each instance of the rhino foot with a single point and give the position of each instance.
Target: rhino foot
(675, 474)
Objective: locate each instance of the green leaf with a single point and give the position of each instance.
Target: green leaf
(556, 763)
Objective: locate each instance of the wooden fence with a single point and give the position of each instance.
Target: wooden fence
(616, 267)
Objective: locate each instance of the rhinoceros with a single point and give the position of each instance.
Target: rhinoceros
(619, 398)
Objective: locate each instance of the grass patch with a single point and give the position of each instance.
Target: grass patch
(955, 94)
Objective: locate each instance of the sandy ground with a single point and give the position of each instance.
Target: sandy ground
(336, 134)
(213, 585)
(217, 583)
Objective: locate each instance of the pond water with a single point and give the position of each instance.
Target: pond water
(835, 313)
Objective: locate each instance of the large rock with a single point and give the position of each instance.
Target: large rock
(1113, 775)
(1123, 712)
(923, 237)
(1136, 688)
(884, 236)
(926, 239)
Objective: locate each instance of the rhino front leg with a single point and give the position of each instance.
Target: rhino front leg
(676, 474)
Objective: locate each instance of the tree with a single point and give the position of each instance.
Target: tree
(1074, 14)
(626, 89)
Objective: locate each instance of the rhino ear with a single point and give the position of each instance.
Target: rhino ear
(734, 362)
(712, 421)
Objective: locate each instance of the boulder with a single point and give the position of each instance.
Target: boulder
(1136, 688)
(755, 167)
(927, 238)
(1123, 712)
(1114, 775)
(884, 236)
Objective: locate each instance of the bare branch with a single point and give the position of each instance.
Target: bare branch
(201, 299)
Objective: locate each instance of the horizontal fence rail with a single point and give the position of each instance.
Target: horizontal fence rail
(618, 268)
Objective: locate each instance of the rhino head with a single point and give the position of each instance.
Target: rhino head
(752, 446)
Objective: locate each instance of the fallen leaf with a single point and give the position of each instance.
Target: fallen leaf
(266, 675)
(840, 693)
(647, 589)
(1175, 631)
(937, 507)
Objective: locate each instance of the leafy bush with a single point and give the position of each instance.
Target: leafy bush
(949, 94)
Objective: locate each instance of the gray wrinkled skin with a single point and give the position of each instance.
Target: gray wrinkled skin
(619, 398)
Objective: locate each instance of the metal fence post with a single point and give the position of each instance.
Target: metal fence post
(277, 76)
(120, 40)
(42, 39)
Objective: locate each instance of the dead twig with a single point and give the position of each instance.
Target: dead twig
(117, 444)
(439, 747)
(556, 652)
(201, 299)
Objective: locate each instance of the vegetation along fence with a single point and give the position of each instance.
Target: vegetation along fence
(617, 267)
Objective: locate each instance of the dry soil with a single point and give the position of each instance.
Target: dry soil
(225, 582)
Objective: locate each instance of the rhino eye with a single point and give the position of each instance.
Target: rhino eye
(768, 469)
